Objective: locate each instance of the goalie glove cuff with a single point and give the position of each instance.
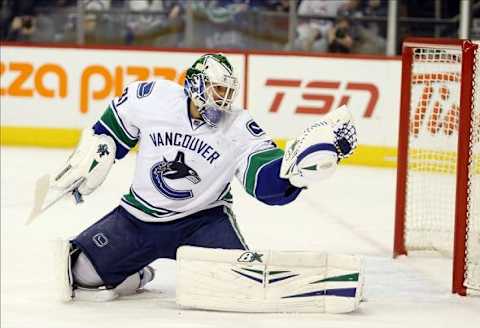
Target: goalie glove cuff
(314, 155)
(310, 157)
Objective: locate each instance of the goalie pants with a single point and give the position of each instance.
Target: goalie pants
(119, 244)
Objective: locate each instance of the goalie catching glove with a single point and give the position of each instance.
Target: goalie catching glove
(90, 162)
(314, 155)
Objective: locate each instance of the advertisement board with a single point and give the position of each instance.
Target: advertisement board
(49, 94)
(287, 93)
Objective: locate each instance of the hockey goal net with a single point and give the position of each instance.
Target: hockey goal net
(438, 174)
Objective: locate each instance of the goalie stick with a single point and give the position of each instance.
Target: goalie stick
(85, 170)
(42, 187)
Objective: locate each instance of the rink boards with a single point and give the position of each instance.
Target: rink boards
(48, 94)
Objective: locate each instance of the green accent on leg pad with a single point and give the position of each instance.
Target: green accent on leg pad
(346, 277)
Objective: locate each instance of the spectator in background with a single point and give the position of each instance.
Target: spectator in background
(101, 23)
(271, 5)
(340, 37)
(12, 9)
(140, 21)
(175, 8)
(22, 28)
(161, 12)
(157, 15)
(371, 35)
(18, 20)
(281, 6)
(224, 18)
(376, 8)
(312, 33)
(96, 24)
(26, 25)
(97, 5)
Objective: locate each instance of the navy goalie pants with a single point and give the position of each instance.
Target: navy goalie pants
(119, 244)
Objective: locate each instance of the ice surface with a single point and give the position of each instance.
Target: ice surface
(350, 213)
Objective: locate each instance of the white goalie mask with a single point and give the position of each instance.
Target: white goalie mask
(212, 86)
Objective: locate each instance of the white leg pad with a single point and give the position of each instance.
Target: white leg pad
(63, 278)
(68, 288)
(268, 281)
(64, 281)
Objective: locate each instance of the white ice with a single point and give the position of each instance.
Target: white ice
(350, 213)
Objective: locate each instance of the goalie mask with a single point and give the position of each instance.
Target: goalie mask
(211, 86)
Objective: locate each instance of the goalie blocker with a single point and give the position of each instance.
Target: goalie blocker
(268, 281)
(84, 171)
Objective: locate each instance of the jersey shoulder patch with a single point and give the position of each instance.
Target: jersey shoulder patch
(254, 128)
(144, 89)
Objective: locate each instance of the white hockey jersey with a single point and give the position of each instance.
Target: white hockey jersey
(183, 165)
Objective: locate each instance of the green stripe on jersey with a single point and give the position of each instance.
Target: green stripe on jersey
(255, 163)
(110, 120)
(228, 197)
(133, 201)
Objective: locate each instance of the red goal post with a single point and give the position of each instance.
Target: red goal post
(438, 168)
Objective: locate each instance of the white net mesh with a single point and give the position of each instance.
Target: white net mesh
(435, 98)
(432, 158)
(472, 273)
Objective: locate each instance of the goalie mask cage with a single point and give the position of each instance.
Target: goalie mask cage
(438, 172)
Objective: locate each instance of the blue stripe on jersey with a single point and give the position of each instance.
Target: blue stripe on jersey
(271, 189)
(119, 119)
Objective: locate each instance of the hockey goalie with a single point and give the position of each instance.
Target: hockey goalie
(192, 142)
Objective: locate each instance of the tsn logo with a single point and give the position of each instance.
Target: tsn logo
(26, 80)
(330, 93)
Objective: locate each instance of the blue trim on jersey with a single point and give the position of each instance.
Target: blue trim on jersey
(273, 190)
(315, 148)
(121, 151)
(119, 119)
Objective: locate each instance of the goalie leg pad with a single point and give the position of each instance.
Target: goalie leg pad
(80, 282)
(67, 290)
(268, 281)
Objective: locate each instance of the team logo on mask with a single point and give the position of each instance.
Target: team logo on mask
(173, 170)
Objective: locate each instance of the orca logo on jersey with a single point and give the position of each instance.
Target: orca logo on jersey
(173, 170)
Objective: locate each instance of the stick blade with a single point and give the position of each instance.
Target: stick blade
(41, 190)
